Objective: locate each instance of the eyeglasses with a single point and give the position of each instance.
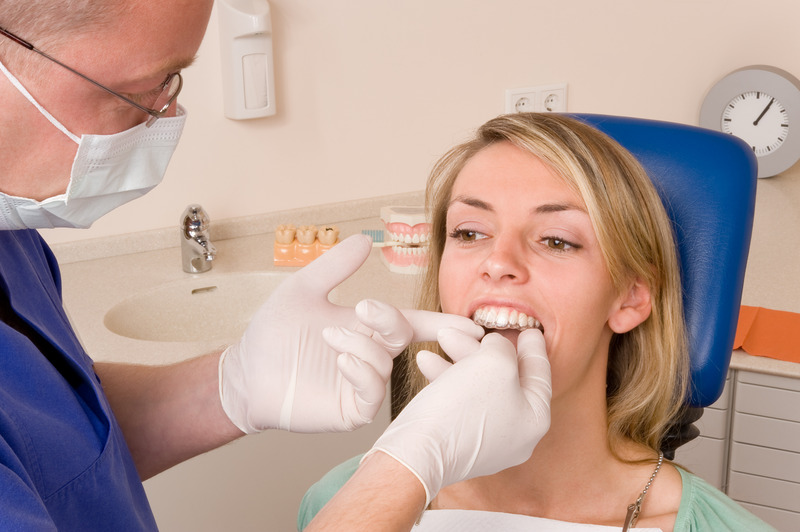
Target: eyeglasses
(162, 97)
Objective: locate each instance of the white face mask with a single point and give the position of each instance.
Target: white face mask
(108, 171)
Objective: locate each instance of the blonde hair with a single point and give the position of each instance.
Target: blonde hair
(648, 366)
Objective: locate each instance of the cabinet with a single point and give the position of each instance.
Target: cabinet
(750, 446)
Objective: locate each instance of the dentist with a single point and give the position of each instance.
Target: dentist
(88, 121)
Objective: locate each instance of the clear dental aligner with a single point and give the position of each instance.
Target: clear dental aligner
(504, 318)
(297, 246)
(407, 230)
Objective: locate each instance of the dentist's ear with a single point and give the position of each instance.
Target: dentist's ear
(632, 308)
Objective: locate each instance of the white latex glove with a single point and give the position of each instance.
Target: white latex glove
(284, 374)
(483, 414)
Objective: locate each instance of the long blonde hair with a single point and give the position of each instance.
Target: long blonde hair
(648, 366)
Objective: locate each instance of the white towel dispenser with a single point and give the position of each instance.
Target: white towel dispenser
(245, 38)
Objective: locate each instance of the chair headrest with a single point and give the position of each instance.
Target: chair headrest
(707, 182)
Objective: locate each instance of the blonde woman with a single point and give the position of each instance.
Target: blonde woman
(541, 222)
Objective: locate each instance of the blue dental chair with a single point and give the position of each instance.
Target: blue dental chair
(707, 182)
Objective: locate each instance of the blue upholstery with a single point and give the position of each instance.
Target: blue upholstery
(707, 182)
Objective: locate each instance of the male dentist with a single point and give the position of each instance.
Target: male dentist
(88, 121)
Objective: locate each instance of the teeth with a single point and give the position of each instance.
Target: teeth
(504, 318)
(407, 238)
(306, 234)
(328, 235)
(284, 233)
(404, 250)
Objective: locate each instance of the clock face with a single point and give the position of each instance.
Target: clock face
(757, 118)
(759, 104)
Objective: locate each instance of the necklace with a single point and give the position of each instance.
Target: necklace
(635, 508)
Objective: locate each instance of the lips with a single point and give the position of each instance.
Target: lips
(499, 317)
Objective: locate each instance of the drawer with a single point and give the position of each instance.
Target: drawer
(773, 381)
(783, 520)
(765, 462)
(705, 457)
(770, 402)
(764, 491)
(713, 423)
(767, 432)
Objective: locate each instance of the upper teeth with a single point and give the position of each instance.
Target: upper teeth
(504, 318)
(408, 238)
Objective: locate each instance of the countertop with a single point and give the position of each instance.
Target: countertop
(94, 286)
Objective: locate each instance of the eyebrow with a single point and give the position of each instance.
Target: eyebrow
(178, 64)
(545, 208)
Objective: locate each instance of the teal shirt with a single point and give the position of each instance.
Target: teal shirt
(703, 507)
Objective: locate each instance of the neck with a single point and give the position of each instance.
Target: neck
(571, 476)
(24, 136)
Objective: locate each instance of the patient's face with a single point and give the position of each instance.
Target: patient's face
(521, 242)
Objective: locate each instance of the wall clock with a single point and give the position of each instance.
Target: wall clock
(761, 105)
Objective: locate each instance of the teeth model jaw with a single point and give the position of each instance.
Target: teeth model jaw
(405, 227)
(504, 318)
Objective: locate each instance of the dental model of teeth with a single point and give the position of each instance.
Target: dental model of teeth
(297, 246)
(504, 318)
(406, 250)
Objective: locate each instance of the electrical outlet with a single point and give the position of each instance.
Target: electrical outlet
(554, 98)
(542, 98)
(521, 100)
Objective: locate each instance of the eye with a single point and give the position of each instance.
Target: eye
(558, 244)
(148, 98)
(466, 235)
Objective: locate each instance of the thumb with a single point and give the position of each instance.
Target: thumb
(457, 344)
(431, 365)
(368, 386)
(334, 266)
(391, 329)
(534, 367)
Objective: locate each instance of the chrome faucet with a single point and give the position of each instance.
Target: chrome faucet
(197, 251)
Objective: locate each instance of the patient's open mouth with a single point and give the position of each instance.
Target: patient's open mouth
(493, 317)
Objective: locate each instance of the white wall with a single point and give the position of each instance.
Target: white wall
(370, 92)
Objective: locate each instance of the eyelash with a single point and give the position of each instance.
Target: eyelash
(460, 234)
(554, 243)
(559, 244)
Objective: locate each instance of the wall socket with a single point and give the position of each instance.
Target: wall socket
(542, 98)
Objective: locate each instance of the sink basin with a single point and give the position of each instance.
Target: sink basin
(208, 308)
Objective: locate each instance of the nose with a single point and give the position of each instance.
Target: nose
(505, 261)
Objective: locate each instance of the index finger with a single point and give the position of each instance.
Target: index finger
(427, 324)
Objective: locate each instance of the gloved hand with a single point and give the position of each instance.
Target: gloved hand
(284, 374)
(483, 414)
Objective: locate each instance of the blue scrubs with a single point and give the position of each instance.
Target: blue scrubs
(64, 464)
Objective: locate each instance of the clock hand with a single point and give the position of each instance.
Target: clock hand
(764, 112)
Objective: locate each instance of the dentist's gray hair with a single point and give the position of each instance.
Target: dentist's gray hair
(48, 24)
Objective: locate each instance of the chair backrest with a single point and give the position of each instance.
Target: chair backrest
(707, 182)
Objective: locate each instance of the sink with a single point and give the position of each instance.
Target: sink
(208, 308)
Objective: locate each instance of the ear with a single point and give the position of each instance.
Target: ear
(631, 309)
